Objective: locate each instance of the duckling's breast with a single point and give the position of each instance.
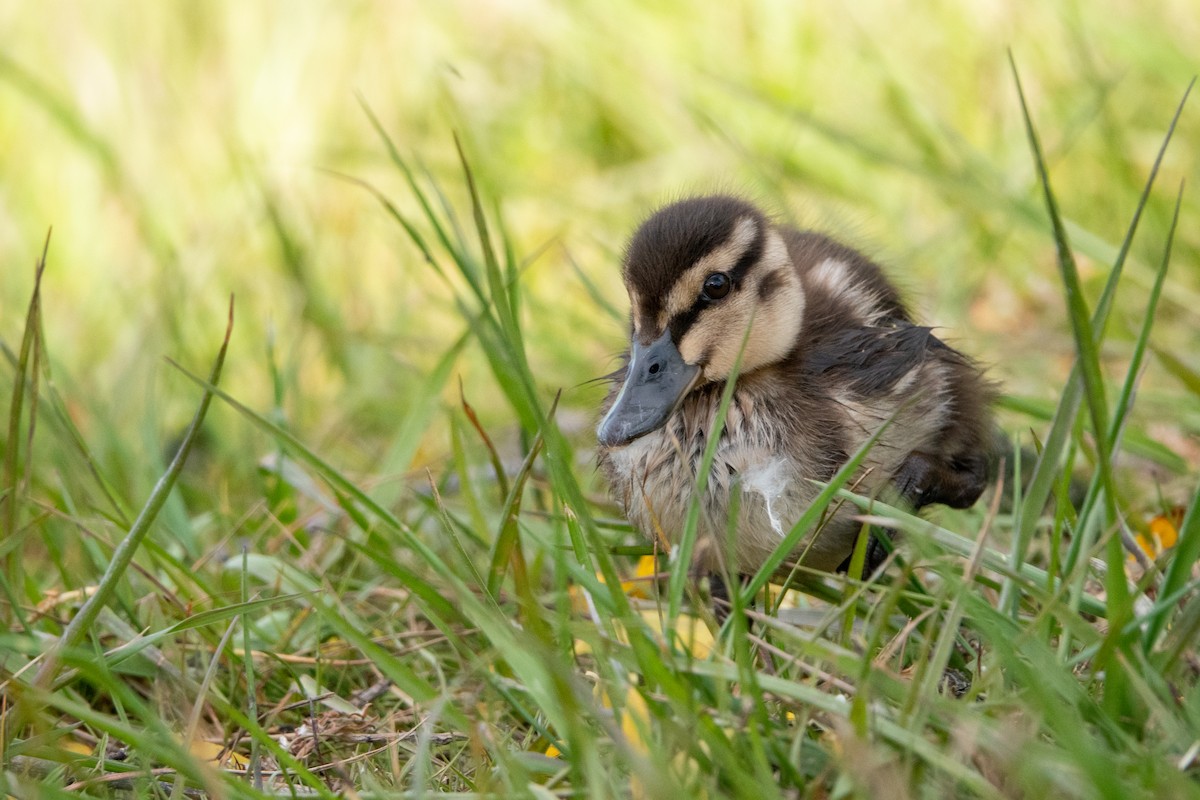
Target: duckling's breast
(759, 484)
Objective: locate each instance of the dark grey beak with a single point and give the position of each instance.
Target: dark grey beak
(656, 381)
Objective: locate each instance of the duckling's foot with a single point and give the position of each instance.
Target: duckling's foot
(877, 553)
(924, 479)
(718, 592)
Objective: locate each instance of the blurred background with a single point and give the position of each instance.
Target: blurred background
(183, 152)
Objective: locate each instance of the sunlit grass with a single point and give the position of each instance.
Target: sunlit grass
(388, 564)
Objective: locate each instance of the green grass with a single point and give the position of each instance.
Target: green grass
(357, 543)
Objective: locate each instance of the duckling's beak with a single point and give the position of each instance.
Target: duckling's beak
(656, 381)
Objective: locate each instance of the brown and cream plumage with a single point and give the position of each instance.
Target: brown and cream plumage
(830, 354)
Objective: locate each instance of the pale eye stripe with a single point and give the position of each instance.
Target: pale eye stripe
(687, 288)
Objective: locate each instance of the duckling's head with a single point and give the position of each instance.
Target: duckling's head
(709, 280)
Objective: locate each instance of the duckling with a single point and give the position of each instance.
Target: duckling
(828, 354)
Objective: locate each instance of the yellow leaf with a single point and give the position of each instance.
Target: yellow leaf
(637, 586)
(213, 751)
(579, 603)
(635, 718)
(1163, 528)
(690, 632)
(205, 751)
(76, 746)
(1146, 545)
(643, 577)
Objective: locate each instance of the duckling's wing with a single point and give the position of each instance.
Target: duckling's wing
(870, 361)
(950, 447)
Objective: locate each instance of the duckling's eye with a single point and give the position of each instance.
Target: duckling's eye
(716, 286)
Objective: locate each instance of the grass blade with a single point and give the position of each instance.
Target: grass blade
(507, 546)
(10, 565)
(1043, 479)
(1117, 593)
(81, 623)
